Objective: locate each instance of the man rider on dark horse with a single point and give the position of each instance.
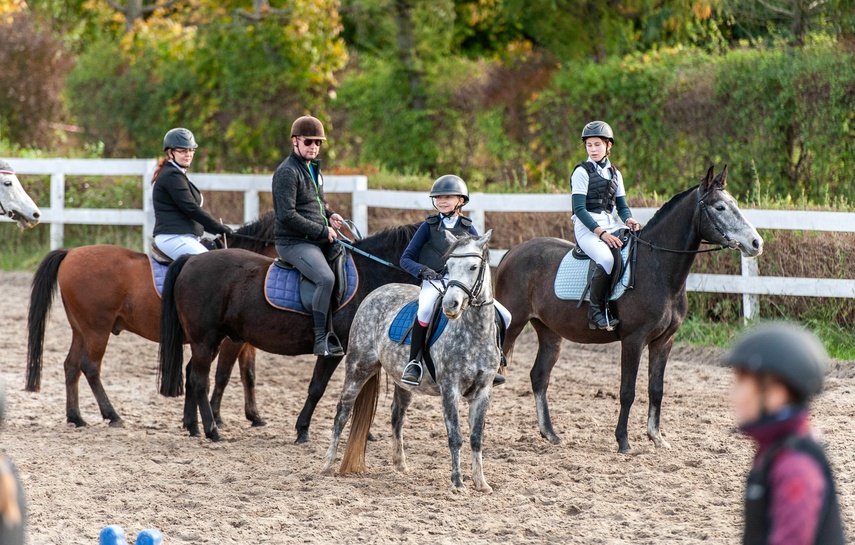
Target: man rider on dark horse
(597, 189)
(305, 228)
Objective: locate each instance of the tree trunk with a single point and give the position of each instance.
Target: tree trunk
(407, 53)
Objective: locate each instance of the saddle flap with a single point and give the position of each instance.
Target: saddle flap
(283, 264)
(158, 255)
(287, 289)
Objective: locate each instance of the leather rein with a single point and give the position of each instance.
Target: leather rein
(704, 208)
(473, 292)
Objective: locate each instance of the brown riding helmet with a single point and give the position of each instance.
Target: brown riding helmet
(308, 127)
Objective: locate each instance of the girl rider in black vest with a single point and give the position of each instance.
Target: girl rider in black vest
(305, 227)
(790, 498)
(423, 258)
(597, 187)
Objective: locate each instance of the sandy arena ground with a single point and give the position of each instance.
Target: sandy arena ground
(257, 486)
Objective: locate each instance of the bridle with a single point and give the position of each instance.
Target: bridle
(3, 208)
(473, 292)
(705, 212)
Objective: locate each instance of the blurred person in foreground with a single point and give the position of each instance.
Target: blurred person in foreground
(13, 509)
(790, 497)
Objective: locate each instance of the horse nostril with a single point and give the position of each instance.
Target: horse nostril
(36, 215)
(756, 243)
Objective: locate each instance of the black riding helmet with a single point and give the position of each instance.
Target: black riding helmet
(791, 354)
(600, 129)
(450, 185)
(179, 138)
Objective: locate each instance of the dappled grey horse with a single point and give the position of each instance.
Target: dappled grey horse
(466, 357)
(14, 201)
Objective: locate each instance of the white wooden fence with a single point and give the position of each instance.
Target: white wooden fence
(749, 284)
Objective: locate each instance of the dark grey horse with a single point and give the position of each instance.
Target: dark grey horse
(466, 358)
(649, 315)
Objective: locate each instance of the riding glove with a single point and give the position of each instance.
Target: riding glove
(426, 273)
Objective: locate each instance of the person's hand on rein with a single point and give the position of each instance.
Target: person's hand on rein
(332, 235)
(632, 224)
(336, 221)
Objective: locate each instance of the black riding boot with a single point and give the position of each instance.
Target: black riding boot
(413, 370)
(599, 292)
(326, 343)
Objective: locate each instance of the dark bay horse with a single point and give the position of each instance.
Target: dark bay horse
(650, 314)
(233, 305)
(109, 289)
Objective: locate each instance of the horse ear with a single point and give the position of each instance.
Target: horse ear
(449, 237)
(721, 179)
(707, 181)
(483, 240)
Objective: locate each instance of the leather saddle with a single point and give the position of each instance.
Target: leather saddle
(307, 287)
(158, 255)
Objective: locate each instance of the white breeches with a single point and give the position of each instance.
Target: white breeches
(177, 245)
(431, 292)
(591, 244)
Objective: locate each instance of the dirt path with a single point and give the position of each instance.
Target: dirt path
(258, 487)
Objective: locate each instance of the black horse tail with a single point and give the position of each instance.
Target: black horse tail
(169, 375)
(41, 299)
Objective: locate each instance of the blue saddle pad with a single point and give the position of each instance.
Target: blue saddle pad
(572, 277)
(282, 287)
(158, 274)
(404, 320)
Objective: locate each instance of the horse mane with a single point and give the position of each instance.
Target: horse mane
(393, 237)
(461, 240)
(260, 232)
(668, 207)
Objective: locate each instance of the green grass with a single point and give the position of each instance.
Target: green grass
(839, 341)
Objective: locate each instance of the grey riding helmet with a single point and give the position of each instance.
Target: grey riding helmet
(598, 128)
(179, 138)
(791, 354)
(450, 185)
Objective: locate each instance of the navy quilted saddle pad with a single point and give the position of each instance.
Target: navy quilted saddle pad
(158, 274)
(282, 287)
(403, 322)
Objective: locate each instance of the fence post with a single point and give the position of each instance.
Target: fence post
(57, 208)
(359, 211)
(250, 205)
(477, 215)
(148, 208)
(750, 302)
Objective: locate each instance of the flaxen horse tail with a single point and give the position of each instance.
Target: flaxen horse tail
(169, 373)
(353, 459)
(41, 299)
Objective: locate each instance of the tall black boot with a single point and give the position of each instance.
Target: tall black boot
(597, 310)
(414, 370)
(325, 343)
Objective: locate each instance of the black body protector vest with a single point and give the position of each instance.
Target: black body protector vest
(434, 249)
(601, 192)
(830, 528)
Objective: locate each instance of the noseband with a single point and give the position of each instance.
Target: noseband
(473, 292)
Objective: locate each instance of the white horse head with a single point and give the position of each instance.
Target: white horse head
(468, 274)
(14, 201)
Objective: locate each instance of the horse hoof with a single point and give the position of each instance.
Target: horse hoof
(118, 423)
(459, 489)
(371, 437)
(258, 423)
(78, 422)
(214, 436)
(662, 443)
(624, 449)
(219, 422)
(302, 437)
(328, 470)
(552, 438)
(485, 489)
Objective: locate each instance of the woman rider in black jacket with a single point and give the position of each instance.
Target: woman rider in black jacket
(305, 226)
(179, 219)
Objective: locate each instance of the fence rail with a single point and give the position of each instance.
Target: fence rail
(748, 283)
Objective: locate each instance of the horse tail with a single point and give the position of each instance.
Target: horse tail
(171, 355)
(41, 299)
(353, 459)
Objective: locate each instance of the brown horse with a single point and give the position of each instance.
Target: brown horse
(109, 289)
(650, 314)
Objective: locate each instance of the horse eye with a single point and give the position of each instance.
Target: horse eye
(720, 207)
(473, 267)
(8, 183)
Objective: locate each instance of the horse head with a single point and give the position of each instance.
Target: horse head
(720, 220)
(14, 201)
(468, 265)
